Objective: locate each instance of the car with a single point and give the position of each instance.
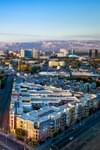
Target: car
(71, 138)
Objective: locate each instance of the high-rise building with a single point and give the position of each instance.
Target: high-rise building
(22, 53)
(90, 53)
(62, 53)
(93, 53)
(30, 53)
(26, 53)
(35, 53)
(96, 53)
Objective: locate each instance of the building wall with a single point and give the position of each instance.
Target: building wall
(56, 63)
(41, 130)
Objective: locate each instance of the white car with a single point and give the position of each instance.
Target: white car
(71, 138)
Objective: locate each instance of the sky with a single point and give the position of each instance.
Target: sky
(29, 20)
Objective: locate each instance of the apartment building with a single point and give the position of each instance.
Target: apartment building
(49, 119)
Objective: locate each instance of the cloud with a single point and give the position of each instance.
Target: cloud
(18, 34)
(4, 36)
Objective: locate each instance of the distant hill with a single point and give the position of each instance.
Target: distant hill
(52, 45)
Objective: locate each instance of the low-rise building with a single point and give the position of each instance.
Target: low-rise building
(57, 110)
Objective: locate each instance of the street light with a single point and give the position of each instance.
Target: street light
(25, 143)
(6, 138)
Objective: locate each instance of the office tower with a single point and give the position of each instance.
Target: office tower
(26, 53)
(62, 53)
(35, 53)
(90, 53)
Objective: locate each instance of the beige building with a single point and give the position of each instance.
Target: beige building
(56, 63)
(62, 53)
(48, 120)
(35, 53)
(22, 53)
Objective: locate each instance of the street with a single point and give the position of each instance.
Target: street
(61, 140)
(5, 97)
(12, 143)
(3, 148)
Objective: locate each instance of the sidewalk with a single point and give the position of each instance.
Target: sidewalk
(14, 141)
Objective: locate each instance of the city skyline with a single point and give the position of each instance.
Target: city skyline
(28, 20)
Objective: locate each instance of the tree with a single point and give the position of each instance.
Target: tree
(21, 134)
(34, 69)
